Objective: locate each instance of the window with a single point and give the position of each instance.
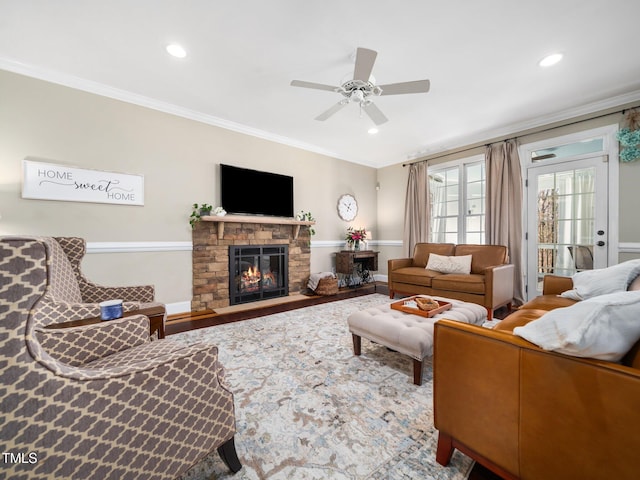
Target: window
(457, 196)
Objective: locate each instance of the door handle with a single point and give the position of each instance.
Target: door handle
(600, 243)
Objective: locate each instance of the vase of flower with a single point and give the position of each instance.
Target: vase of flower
(355, 237)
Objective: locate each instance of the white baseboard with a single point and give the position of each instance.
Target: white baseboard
(379, 277)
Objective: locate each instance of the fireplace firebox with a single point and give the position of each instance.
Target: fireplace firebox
(257, 272)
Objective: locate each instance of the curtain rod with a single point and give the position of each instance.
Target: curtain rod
(542, 130)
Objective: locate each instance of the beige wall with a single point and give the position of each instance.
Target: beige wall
(178, 158)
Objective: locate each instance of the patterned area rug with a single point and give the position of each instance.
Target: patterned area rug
(307, 408)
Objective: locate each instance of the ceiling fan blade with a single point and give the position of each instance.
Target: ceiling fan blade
(417, 86)
(365, 59)
(337, 107)
(375, 114)
(317, 86)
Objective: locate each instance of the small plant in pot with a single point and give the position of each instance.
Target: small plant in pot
(198, 212)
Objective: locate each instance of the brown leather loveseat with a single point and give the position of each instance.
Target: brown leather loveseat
(528, 413)
(490, 282)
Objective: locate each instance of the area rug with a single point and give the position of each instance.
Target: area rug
(307, 408)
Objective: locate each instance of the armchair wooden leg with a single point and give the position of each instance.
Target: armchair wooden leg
(227, 452)
(445, 449)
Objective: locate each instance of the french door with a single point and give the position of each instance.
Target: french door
(567, 227)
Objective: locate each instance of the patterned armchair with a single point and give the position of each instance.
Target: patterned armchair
(101, 401)
(72, 295)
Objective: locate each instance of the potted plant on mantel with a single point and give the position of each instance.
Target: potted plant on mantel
(204, 210)
(198, 212)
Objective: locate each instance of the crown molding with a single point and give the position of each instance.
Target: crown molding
(441, 147)
(103, 90)
(517, 129)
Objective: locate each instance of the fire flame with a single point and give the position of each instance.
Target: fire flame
(252, 277)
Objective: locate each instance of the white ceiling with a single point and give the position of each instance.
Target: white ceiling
(481, 58)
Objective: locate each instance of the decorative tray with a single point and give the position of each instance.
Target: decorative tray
(408, 305)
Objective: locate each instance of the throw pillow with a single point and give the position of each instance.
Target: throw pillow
(603, 327)
(454, 264)
(592, 283)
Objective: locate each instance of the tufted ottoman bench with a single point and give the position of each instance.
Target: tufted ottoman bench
(406, 333)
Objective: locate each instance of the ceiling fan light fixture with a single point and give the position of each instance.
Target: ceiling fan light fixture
(176, 50)
(357, 96)
(550, 60)
(361, 87)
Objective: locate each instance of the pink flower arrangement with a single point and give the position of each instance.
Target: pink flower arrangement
(355, 235)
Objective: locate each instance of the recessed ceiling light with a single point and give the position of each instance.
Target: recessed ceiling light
(550, 60)
(176, 50)
(372, 131)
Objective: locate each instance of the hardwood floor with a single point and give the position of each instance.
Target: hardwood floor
(209, 318)
(190, 321)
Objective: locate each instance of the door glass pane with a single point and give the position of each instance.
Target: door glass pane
(566, 221)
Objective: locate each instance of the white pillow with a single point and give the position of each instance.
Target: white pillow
(592, 283)
(603, 327)
(444, 264)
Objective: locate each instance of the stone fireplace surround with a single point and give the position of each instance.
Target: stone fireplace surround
(210, 257)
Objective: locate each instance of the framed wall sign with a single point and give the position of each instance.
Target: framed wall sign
(48, 181)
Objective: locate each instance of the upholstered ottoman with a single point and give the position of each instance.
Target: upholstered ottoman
(406, 333)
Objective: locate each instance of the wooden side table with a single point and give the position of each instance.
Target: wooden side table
(156, 320)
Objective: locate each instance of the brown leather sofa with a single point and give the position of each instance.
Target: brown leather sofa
(489, 284)
(528, 413)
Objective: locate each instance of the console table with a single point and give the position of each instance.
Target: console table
(156, 320)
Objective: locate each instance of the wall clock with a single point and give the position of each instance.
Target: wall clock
(347, 207)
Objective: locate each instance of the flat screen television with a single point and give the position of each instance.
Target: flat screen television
(253, 192)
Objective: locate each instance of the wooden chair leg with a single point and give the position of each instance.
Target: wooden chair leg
(227, 452)
(445, 449)
(357, 344)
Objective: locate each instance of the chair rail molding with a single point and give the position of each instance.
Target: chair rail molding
(629, 247)
(135, 247)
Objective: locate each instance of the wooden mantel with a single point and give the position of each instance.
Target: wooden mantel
(221, 220)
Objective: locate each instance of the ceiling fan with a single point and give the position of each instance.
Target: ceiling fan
(361, 88)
